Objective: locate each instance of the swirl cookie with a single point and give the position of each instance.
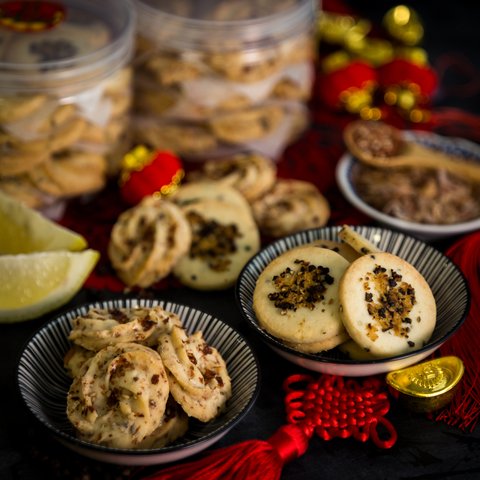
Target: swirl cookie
(386, 305)
(100, 328)
(251, 174)
(120, 396)
(223, 240)
(147, 241)
(174, 424)
(196, 372)
(296, 297)
(74, 359)
(290, 206)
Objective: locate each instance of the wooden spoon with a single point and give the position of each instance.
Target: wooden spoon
(380, 145)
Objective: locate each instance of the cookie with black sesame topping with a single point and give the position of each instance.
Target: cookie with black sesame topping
(296, 296)
(224, 238)
(386, 305)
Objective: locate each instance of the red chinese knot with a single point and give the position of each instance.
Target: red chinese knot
(333, 406)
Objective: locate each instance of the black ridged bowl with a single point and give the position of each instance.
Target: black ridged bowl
(44, 383)
(448, 285)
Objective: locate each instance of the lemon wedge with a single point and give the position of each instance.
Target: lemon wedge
(37, 283)
(24, 230)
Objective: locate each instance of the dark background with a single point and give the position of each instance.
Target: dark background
(425, 449)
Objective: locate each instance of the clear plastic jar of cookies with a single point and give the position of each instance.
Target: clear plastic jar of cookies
(217, 77)
(65, 96)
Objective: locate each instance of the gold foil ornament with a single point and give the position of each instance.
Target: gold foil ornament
(427, 386)
(403, 24)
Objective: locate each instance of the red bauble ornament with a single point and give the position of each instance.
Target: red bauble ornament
(145, 173)
(408, 86)
(348, 85)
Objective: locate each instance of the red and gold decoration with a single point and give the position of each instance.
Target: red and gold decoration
(146, 172)
(31, 16)
(375, 74)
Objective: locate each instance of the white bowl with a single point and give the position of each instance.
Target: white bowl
(44, 384)
(445, 279)
(453, 146)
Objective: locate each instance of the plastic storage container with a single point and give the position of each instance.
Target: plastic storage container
(219, 77)
(65, 96)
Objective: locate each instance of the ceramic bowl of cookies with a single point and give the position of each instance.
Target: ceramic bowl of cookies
(352, 301)
(426, 203)
(137, 381)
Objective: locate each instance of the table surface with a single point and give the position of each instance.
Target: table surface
(425, 449)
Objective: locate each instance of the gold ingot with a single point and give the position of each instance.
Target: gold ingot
(403, 24)
(427, 386)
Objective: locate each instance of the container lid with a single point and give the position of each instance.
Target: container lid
(221, 25)
(71, 44)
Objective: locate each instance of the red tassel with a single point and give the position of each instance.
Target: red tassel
(330, 407)
(252, 459)
(464, 410)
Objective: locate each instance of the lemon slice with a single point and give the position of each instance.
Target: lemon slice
(37, 283)
(24, 230)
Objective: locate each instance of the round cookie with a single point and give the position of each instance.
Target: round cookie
(290, 206)
(195, 192)
(223, 240)
(296, 296)
(358, 242)
(251, 174)
(386, 305)
(322, 346)
(345, 250)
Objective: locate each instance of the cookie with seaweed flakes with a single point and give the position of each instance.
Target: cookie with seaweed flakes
(223, 240)
(296, 296)
(386, 305)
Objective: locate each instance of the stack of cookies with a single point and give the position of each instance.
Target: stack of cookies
(138, 376)
(211, 84)
(65, 95)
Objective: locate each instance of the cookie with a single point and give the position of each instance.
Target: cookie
(197, 374)
(223, 239)
(119, 396)
(147, 241)
(18, 162)
(355, 352)
(174, 425)
(179, 138)
(199, 191)
(75, 357)
(14, 108)
(357, 241)
(247, 125)
(290, 206)
(296, 296)
(246, 66)
(251, 174)
(24, 190)
(345, 250)
(99, 328)
(70, 174)
(386, 305)
(171, 69)
(321, 346)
